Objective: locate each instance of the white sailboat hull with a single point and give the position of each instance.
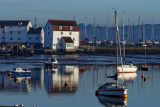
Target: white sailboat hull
(115, 92)
(127, 69)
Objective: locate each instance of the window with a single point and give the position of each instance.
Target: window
(73, 39)
(71, 28)
(69, 45)
(30, 38)
(19, 32)
(11, 32)
(19, 23)
(48, 33)
(60, 44)
(70, 33)
(48, 27)
(54, 45)
(3, 37)
(36, 38)
(19, 38)
(57, 39)
(60, 27)
(11, 38)
(3, 31)
(61, 33)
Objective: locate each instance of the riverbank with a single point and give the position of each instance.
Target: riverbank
(103, 51)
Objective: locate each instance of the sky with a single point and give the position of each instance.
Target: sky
(65, 10)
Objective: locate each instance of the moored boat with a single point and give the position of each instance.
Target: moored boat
(20, 72)
(113, 90)
(52, 62)
(127, 68)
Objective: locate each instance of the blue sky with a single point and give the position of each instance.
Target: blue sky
(65, 10)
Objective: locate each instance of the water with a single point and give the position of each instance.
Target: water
(74, 82)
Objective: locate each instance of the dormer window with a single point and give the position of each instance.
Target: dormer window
(19, 23)
(60, 27)
(70, 28)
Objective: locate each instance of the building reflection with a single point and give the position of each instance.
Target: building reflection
(64, 80)
(112, 101)
(18, 84)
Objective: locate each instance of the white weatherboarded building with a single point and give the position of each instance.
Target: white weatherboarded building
(36, 37)
(61, 35)
(21, 31)
(13, 31)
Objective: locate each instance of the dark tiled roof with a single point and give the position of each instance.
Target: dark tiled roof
(68, 39)
(82, 43)
(63, 22)
(14, 22)
(65, 25)
(33, 30)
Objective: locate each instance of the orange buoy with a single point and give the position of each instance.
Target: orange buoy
(124, 95)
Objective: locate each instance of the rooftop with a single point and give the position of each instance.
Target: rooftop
(63, 22)
(64, 25)
(33, 30)
(68, 39)
(14, 22)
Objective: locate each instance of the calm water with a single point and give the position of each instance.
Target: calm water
(74, 83)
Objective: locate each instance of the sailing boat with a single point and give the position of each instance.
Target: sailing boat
(127, 66)
(113, 89)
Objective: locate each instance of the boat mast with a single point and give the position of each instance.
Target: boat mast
(139, 22)
(85, 29)
(133, 33)
(116, 28)
(128, 31)
(152, 34)
(94, 31)
(123, 38)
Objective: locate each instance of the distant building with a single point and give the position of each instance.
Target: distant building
(21, 32)
(61, 35)
(36, 37)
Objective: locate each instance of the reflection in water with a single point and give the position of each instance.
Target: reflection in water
(112, 101)
(63, 80)
(127, 76)
(18, 84)
(69, 85)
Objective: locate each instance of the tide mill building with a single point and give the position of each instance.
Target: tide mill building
(61, 35)
(21, 32)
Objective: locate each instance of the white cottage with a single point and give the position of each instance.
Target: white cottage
(61, 35)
